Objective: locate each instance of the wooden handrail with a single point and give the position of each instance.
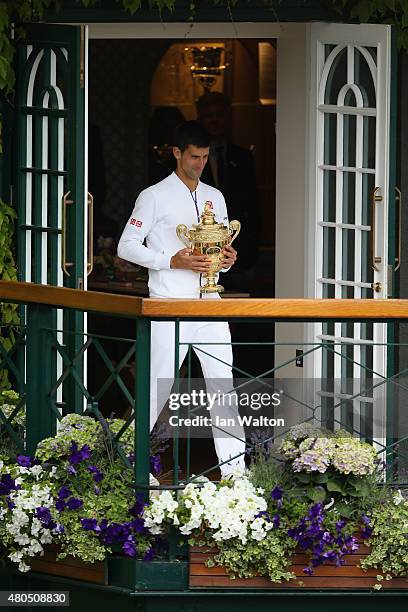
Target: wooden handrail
(62, 297)
(285, 309)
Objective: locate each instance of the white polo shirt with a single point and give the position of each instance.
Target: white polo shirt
(157, 212)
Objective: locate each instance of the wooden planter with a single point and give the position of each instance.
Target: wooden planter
(70, 567)
(328, 576)
(117, 570)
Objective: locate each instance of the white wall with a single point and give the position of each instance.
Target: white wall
(291, 185)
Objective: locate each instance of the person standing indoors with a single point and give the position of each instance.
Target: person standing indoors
(231, 169)
(149, 239)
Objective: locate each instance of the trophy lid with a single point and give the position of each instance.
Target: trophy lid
(208, 219)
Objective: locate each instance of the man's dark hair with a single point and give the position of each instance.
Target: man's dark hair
(212, 98)
(190, 133)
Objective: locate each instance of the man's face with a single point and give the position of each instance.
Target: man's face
(192, 160)
(214, 119)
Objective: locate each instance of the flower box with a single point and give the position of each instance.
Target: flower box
(327, 576)
(116, 570)
(70, 567)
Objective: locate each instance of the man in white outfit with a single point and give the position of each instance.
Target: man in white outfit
(175, 272)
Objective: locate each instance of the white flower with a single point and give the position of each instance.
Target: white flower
(229, 509)
(398, 498)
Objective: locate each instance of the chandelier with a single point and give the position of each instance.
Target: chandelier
(206, 64)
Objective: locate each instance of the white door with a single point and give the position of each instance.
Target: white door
(349, 187)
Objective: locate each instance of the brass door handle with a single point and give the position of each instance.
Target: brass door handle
(375, 197)
(398, 200)
(90, 234)
(65, 264)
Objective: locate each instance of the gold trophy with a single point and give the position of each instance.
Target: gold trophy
(209, 238)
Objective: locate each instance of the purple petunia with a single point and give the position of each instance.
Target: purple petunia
(311, 536)
(129, 547)
(24, 461)
(155, 464)
(89, 524)
(8, 484)
(64, 492)
(96, 473)
(60, 505)
(276, 495)
(138, 506)
(77, 456)
(11, 505)
(74, 503)
(276, 521)
(43, 514)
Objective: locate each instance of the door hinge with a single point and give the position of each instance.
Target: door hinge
(80, 283)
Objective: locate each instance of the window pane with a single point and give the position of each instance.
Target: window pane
(329, 195)
(363, 78)
(349, 197)
(337, 77)
(330, 138)
(349, 140)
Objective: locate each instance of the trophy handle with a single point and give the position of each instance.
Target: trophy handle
(184, 234)
(234, 226)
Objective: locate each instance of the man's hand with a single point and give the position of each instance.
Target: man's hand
(230, 256)
(185, 260)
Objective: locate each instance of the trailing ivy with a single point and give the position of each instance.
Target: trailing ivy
(9, 318)
(393, 12)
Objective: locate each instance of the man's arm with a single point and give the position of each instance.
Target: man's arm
(140, 223)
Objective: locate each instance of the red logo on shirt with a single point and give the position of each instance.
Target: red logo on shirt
(136, 222)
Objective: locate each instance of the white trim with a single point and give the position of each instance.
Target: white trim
(352, 226)
(344, 283)
(348, 110)
(347, 169)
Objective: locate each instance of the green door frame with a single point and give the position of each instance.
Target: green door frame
(60, 66)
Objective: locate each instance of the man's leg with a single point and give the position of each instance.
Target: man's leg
(216, 363)
(162, 351)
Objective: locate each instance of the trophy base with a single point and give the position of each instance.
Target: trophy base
(212, 289)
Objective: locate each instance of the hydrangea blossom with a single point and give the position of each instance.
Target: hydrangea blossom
(312, 450)
(315, 455)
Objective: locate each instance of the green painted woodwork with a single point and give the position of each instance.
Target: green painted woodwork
(61, 45)
(107, 599)
(147, 576)
(142, 406)
(40, 359)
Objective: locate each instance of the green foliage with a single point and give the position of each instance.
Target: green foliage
(9, 319)
(84, 430)
(389, 539)
(270, 556)
(394, 12)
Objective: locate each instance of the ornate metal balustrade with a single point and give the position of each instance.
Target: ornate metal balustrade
(47, 376)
